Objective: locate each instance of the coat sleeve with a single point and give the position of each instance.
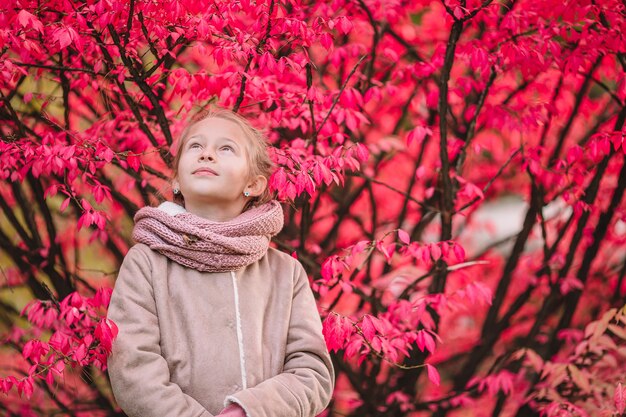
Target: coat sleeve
(139, 375)
(305, 386)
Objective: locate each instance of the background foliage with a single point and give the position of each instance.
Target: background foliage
(397, 127)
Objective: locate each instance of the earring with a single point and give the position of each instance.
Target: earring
(176, 190)
(246, 193)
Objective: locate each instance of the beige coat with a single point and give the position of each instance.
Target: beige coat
(191, 342)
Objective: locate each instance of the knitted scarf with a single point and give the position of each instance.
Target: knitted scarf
(206, 245)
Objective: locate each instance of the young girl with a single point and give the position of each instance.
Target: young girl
(212, 321)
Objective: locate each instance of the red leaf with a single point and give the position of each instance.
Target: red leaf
(49, 378)
(360, 246)
(336, 333)
(326, 40)
(404, 237)
(459, 252)
(445, 249)
(64, 36)
(80, 353)
(328, 270)
(387, 251)
(435, 251)
(86, 205)
(362, 152)
(28, 349)
(25, 387)
(417, 134)
(6, 384)
(133, 161)
(65, 204)
(367, 327)
(27, 20)
(433, 374)
(345, 25)
(391, 249)
(105, 332)
(279, 179)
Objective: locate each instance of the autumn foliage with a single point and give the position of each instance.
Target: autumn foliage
(397, 127)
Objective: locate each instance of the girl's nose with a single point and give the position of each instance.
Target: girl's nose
(207, 154)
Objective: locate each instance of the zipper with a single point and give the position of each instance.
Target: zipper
(242, 360)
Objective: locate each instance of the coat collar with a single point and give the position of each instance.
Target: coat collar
(171, 208)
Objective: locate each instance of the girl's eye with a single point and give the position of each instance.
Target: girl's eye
(194, 145)
(227, 148)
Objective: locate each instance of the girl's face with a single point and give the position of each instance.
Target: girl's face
(213, 170)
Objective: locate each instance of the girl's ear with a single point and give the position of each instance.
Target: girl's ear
(256, 186)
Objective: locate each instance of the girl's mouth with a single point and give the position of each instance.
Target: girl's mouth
(205, 171)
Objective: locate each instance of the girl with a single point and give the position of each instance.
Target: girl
(212, 321)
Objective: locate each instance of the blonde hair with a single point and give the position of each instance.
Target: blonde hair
(259, 160)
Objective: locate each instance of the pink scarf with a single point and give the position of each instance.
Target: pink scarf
(206, 245)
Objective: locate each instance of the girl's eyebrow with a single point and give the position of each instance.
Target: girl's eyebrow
(229, 140)
(190, 138)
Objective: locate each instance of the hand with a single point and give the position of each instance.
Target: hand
(233, 410)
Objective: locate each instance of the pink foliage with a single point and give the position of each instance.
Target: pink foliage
(394, 126)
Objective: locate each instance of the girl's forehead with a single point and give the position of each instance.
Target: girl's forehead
(217, 127)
